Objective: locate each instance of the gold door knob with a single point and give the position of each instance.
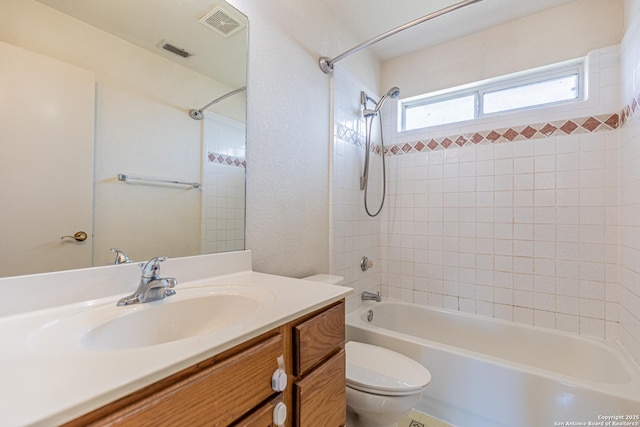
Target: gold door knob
(80, 236)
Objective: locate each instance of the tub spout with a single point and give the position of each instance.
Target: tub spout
(370, 296)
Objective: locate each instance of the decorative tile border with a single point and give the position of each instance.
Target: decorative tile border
(630, 109)
(354, 138)
(605, 122)
(224, 159)
(349, 135)
(590, 124)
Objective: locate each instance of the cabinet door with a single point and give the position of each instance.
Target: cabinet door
(317, 338)
(321, 395)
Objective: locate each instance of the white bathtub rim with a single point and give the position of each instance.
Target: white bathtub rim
(630, 366)
(629, 390)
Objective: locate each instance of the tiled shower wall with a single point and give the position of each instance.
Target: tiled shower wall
(512, 218)
(521, 231)
(516, 218)
(223, 197)
(630, 191)
(531, 218)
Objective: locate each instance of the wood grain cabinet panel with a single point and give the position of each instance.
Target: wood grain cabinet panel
(317, 338)
(321, 396)
(216, 396)
(261, 417)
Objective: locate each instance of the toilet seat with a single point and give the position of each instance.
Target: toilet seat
(377, 370)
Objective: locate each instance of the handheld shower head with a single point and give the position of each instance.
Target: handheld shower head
(394, 92)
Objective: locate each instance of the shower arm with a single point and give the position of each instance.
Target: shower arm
(326, 64)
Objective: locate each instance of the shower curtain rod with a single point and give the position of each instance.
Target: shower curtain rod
(326, 64)
(225, 96)
(197, 114)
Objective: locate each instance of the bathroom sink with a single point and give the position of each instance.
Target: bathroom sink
(170, 321)
(190, 313)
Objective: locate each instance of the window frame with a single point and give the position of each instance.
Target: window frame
(478, 90)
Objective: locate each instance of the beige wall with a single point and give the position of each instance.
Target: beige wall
(558, 34)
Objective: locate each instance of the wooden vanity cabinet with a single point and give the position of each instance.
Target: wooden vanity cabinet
(319, 394)
(216, 392)
(234, 388)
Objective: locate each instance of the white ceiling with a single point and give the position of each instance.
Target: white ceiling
(147, 23)
(370, 18)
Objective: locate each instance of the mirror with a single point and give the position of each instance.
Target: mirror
(152, 62)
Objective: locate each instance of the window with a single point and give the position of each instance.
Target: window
(440, 112)
(558, 84)
(529, 95)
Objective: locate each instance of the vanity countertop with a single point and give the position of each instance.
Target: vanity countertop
(46, 382)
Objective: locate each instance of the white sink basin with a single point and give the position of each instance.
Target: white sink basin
(173, 320)
(190, 313)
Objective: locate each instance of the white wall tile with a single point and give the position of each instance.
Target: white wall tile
(529, 231)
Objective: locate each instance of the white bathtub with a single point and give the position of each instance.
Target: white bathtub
(493, 373)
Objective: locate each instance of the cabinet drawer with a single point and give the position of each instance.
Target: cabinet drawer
(321, 396)
(216, 396)
(261, 417)
(318, 337)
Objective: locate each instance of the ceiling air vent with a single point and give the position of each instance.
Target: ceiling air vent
(221, 21)
(175, 50)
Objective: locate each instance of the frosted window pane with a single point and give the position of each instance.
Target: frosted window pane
(439, 113)
(546, 92)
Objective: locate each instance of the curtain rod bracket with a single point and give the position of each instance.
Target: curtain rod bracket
(326, 65)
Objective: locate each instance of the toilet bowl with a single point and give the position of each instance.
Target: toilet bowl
(382, 385)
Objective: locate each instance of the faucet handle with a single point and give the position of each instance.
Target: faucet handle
(151, 269)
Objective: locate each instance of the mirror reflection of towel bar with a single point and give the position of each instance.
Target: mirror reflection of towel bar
(124, 177)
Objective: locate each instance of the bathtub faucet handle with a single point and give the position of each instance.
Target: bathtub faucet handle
(370, 296)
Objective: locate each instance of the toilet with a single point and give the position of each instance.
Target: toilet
(382, 385)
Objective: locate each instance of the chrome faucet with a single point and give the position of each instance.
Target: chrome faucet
(370, 296)
(121, 256)
(152, 287)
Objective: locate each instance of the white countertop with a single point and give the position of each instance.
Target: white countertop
(47, 382)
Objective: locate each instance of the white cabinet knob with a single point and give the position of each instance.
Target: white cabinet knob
(279, 380)
(280, 414)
